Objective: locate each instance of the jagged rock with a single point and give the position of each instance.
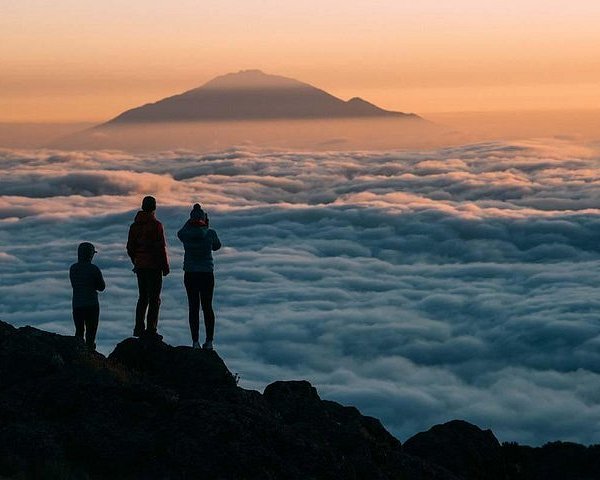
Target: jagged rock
(152, 411)
(360, 440)
(189, 372)
(6, 329)
(300, 406)
(30, 353)
(462, 448)
(553, 461)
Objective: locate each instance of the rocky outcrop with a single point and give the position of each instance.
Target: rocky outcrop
(462, 448)
(190, 373)
(553, 461)
(153, 411)
(472, 453)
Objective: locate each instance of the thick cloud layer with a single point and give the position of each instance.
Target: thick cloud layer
(421, 287)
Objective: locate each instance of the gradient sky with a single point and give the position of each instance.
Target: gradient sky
(73, 60)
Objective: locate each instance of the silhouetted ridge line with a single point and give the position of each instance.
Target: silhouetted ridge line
(252, 95)
(154, 411)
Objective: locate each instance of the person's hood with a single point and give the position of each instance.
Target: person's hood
(144, 217)
(85, 252)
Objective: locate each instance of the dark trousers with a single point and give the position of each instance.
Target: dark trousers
(200, 287)
(86, 319)
(149, 286)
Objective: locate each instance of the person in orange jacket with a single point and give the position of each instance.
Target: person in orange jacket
(147, 248)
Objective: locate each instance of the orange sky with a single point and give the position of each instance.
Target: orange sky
(73, 60)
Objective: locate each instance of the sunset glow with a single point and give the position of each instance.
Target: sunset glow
(73, 61)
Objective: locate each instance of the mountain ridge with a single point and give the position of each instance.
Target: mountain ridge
(252, 95)
(155, 411)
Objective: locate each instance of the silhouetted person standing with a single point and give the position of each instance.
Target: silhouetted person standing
(199, 242)
(147, 248)
(86, 280)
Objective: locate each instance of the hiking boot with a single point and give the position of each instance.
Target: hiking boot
(152, 335)
(195, 344)
(207, 345)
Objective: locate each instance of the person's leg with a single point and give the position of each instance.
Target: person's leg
(142, 303)
(207, 287)
(192, 289)
(78, 319)
(92, 316)
(154, 287)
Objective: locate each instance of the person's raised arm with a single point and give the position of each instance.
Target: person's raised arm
(182, 233)
(216, 244)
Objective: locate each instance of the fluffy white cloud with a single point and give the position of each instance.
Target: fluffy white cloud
(49, 183)
(419, 286)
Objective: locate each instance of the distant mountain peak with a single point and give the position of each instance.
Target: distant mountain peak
(250, 79)
(250, 71)
(252, 95)
(360, 101)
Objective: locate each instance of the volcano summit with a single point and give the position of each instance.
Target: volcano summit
(252, 95)
(252, 108)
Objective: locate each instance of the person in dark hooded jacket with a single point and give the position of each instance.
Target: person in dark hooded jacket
(86, 280)
(199, 242)
(147, 248)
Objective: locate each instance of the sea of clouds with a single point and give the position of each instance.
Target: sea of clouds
(419, 286)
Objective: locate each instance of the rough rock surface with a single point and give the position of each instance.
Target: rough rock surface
(462, 448)
(152, 411)
(472, 453)
(553, 461)
(155, 411)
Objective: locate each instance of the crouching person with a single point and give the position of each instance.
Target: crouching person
(86, 280)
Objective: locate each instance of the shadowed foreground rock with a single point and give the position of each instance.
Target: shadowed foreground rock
(156, 411)
(152, 411)
(462, 448)
(475, 454)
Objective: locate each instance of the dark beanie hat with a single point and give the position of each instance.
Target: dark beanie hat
(149, 204)
(197, 213)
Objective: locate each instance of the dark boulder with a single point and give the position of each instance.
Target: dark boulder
(360, 440)
(462, 448)
(187, 371)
